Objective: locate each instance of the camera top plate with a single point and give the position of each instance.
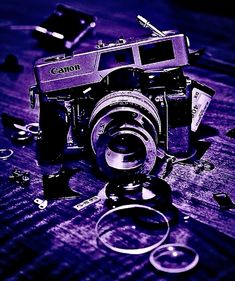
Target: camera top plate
(151, 53)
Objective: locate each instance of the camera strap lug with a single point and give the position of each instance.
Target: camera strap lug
(32, 94)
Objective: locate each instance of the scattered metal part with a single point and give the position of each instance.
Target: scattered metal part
(208, 166)
(202, 165)
(56, 186)
(11, 64)
(5, 153)
(224, 201)
(21, 136)
(186, 218)
(42, 204)
(19, 124)
(64, 27)
(86, 203)
(231, 133)
(31, 128)
(169, 167)
(33, 91)
(171, 160)
(198, 167)
(22, 178)
(17, 130)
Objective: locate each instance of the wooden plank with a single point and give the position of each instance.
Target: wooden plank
(59, 243)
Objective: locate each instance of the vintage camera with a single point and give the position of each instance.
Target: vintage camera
(121, 102)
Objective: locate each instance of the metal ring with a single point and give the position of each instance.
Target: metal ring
(192, 154)
(137, 250)
(21, 136)
(29, 127)
(5, 153)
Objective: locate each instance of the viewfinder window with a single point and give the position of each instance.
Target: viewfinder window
(157, 52)
(116, 58)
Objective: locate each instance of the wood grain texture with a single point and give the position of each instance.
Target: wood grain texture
(59, 243)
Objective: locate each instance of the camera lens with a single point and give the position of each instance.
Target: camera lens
(125, 151)
(124, 144)
(124, 133)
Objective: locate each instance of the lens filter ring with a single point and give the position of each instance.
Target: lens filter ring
(5, 153)
(143, 189)
(147, 190)
(132, 229)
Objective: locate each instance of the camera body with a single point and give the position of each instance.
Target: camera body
(122, 101)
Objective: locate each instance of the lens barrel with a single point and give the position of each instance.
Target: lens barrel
(124, 133)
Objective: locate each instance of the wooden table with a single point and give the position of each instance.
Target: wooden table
(59, 242)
